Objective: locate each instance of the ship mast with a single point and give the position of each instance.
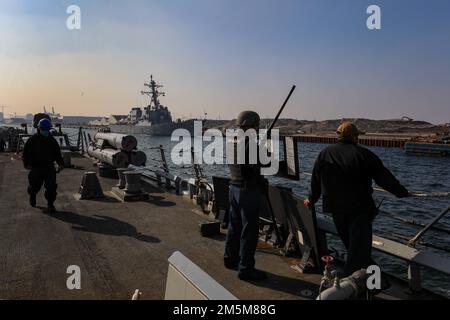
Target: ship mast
(154, 94)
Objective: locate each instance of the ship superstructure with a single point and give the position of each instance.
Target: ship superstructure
(155, 119)
(155, 112)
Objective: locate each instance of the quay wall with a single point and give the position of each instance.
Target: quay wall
(371, 142)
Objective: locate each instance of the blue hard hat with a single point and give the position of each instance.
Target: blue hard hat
(45, 124)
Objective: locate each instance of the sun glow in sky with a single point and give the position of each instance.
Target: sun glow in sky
(220, 56)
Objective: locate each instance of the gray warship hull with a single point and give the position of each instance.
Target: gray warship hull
(163, 129)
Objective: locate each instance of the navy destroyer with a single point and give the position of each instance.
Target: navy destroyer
(155, 119)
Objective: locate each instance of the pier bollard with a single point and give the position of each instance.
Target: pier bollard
(67, 158)
(122, 181)
(158, 179)
(177, 182)
(129, 187)
(133, 182)
(90, 187)
(107, 171)
(138, 158)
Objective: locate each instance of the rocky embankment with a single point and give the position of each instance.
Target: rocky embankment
(325, 127)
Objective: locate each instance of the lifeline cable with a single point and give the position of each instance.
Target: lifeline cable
(412, 242)
(419, 194)
(412, 222)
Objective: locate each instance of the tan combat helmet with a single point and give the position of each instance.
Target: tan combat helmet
(247, 119)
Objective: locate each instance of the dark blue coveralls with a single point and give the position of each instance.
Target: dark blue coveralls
(343, 175)
(246, 189)
(2, 145)
(40, 153)
(243, 228)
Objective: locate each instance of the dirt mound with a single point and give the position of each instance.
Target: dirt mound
(294, 126)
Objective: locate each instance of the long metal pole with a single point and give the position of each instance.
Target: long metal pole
(419, 235)
(281, 109)
(272, 214)
(412, 222)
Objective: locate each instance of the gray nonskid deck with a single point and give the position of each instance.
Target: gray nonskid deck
(119, 246)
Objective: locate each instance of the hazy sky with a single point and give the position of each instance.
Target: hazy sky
(225, 55)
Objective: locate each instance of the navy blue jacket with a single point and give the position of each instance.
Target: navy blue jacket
(40, 151)
(343, 175)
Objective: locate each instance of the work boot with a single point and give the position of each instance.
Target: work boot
(51, 209)
(33, 200)
(231, 265)
(252, 275)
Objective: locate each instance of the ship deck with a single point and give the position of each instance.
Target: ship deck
(119, 246)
